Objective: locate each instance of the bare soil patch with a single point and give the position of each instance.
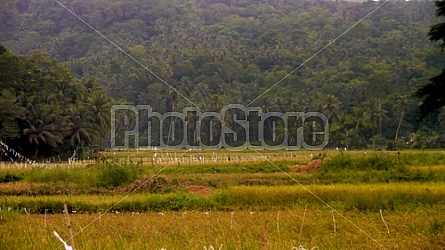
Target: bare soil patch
(156, 185)
(310, 167)
(201, 190)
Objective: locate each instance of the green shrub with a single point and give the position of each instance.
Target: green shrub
(8, 214)
(363, 163)
(10, 177)
(230, 167)
(423, 159)
(436, 226)
(60, 174)
(112, 174)
(371, 168)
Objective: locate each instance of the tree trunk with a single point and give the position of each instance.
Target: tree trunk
(400, 123)
(169, 132)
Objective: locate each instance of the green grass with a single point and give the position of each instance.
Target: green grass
(98, 203)
(108, 174)
(423, 158)
(112, 175)
(375, 168)
(397, 196)
(227, 168)
(364, 197)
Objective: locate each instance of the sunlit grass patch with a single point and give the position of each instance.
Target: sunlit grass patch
(240, 229)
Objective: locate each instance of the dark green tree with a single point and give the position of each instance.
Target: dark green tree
(432, 94)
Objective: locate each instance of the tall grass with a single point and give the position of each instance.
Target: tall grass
(101, 203)
(8, 214)
(112, 174)
(226, 168)
(247, 195)
(107, 174)
(194, 230)
(373, 197)
(397, 196)
(375, 161)
(9, 176)
(59, 174)
(423, 158)
(373, 168)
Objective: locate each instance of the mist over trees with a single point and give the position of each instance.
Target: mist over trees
(216, 52)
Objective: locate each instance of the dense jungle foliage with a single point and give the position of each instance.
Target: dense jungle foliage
(59, 76)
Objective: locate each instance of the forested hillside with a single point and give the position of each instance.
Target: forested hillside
(218, 52)
(44, 110)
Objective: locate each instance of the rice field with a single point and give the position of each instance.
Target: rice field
(203, 200)
(239, 229)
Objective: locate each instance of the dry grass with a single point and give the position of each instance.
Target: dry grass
(412, 212)
(194, 230)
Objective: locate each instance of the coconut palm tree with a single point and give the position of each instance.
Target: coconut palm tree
(191, 125)
(42, 128)
(99, 107)
(173, 98)
(331, 107)
(341, 130)
(442, 118)
(401, 105)
(376, 115)
(83, 129)
(359, 120)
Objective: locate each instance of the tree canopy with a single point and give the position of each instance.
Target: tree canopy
(219, 52)
(432, 93)
(45, 110)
